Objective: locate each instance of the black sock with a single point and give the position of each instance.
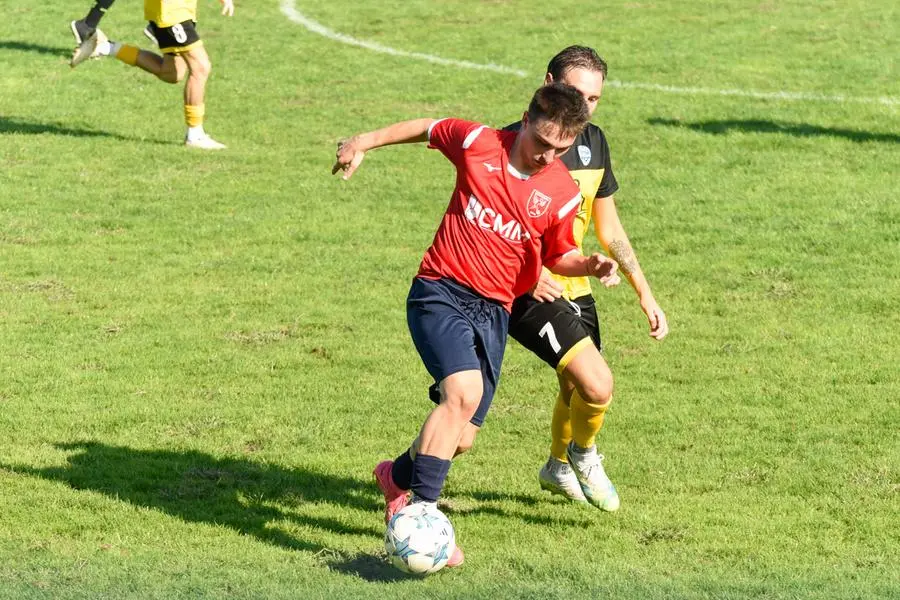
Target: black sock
(96, 13)
(402, 471)
(429, 473)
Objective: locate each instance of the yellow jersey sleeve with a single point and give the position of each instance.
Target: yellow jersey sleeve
(166, 13)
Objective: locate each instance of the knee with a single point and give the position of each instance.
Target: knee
(598, 392)
(201, 68)
(463, 403)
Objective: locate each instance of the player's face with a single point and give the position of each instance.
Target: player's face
(589, 83)
(542, 142)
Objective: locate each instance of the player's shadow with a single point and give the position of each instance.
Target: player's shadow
(12, 125)
(723, 127)
(200, 488)
(36, 48)
(519, 507)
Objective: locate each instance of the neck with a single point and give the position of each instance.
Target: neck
(516, 160)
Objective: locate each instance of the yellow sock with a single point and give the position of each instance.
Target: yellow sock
(587, 419)
(560, 429)
(193, 115)
(128, 54)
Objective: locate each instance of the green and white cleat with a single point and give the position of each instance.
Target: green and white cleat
(88, 48)
(558, 478)
(588, 468)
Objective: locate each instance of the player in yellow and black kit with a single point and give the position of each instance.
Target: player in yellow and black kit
(558, 319)
(172, 25)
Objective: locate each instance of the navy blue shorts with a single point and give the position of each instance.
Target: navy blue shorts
(455, 329)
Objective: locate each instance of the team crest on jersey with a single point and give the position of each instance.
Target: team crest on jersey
(538, 204)
(584, 153)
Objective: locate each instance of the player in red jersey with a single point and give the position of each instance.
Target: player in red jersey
(511, 212)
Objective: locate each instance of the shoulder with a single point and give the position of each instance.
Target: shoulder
(590, 150)
(462, 132)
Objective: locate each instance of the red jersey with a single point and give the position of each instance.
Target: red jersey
(500, 226)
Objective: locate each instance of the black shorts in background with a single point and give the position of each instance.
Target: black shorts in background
(555, 331)
(180, 37)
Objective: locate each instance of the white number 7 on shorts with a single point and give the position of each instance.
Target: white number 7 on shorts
(547, 330)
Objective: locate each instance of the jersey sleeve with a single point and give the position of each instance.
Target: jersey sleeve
(453, 137)
(559, 238)
(608, 185)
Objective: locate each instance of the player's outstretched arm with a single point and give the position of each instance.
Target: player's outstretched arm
(596, 265)
(611, 235)
(227, 7)
(350, 152)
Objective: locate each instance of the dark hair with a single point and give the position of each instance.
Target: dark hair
(562, 105)
(576, 57)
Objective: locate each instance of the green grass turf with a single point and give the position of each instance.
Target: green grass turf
(205, 354)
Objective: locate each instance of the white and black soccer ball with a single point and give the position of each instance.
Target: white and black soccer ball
(419, 539)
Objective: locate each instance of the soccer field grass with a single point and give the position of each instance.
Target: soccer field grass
(205, 354)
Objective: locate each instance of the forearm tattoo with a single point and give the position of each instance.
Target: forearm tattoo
(621, 251)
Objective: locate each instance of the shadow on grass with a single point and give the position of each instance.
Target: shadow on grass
(36, 48)
(763, 126)
(12, 125)
(369, 567)
(246, 496)
(200, 488)
(566, 513)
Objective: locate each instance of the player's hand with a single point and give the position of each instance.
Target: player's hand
(659, 326)
(546, 289)
(227, 7)
(348, 158)
(604, 268)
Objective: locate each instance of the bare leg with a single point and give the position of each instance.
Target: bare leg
(168, 67)
(444, 427)
(199, 68)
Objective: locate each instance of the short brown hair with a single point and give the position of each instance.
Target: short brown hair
(576, 57)
(562, 105)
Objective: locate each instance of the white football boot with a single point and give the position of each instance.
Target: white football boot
(558, 477)
(88, 48)
(597, 488)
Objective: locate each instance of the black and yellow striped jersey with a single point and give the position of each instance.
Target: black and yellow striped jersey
(589, 165)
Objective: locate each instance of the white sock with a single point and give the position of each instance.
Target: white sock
(194, 133)
(108, 48)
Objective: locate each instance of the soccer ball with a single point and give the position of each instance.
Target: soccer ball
(419, 539)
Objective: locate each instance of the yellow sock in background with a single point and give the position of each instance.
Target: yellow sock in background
(560, 429)
(193, 115)
(128, 54)
(587, 419)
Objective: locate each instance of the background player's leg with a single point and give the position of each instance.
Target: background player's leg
(84, 28)
(199, 68)
(593, 383)
(590, 400)
(556, 476)
(561, 424)
(168, 67)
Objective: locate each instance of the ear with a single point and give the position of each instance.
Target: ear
(524, 119)
(548, 79)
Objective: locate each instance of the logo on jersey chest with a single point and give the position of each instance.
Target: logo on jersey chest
(487, 218)
(584, 153)
(538, 203)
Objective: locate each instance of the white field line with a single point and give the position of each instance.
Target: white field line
(289, 9)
